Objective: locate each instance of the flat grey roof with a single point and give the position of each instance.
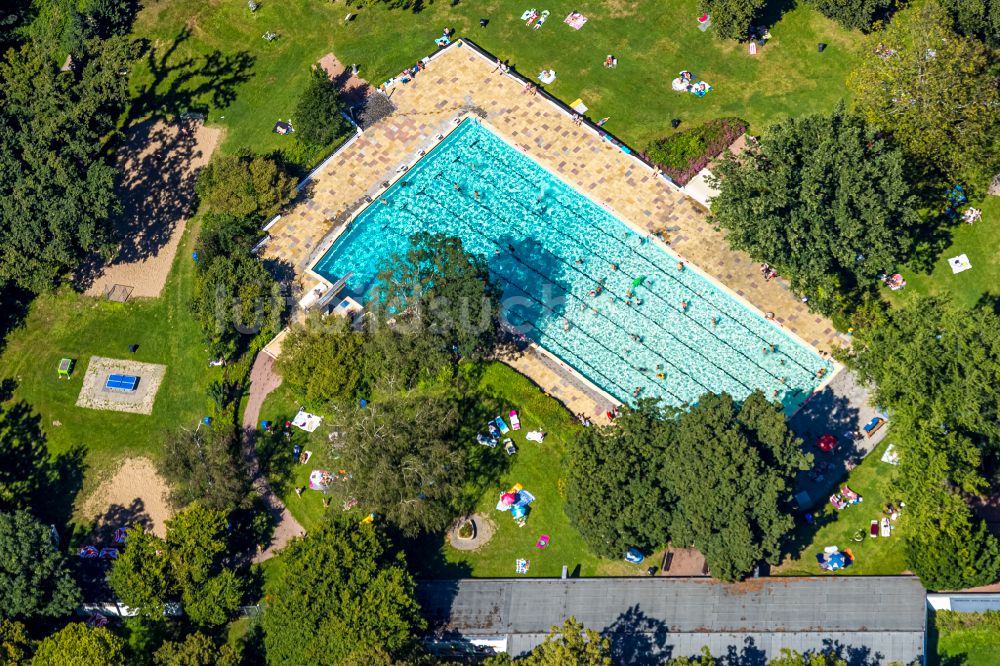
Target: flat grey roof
(872, 620)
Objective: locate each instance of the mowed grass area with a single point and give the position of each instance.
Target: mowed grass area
(537, 467)
(872, 479)
(66, 324)
(209, 55)
(981, 243)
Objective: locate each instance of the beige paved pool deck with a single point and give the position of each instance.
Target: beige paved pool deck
(459, 81)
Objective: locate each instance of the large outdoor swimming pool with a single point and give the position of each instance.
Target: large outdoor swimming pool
(567, 267)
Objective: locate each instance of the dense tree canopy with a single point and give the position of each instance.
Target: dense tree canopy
(35, 581)
(321, 360)
(733, 471)
(236, 296)
(823, 199)
(245, 185)
(936, 367)
(568, 645)
(318, 119)
(206, 465)
(732, 19)
(949, 548)
(25, 467)
(196, 649)
(342, 591)
(976, 18)
(405, 459)
(856, 14)
(15, 643)
(76, 644)
(56, 189)
(718, 476)
(196, 546)
(935, 91)
(141, 576)
(615, 493)
(438, 288)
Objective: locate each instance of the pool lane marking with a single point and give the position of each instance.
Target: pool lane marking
(633, 368)
(652, 351)
(563, 207)
(614, 323)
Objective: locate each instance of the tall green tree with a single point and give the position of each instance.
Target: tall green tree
(76, 644)
(570, 644)
(56, 187)
(615, 490)
(141, 576)
(946, 430)
(197, 544)
(344, 591)
(321, 360)
(823, 199)
(937, 367)
(405, 459)
(976, 18)
(318, 119)
(936, 93)
(718, 476)
(35, 581)
(16, 645)
(731, 19)
(949, 549)
(733, 471)
(196, 649)
(793, 658)
(439, 289)
(25, 467)
(855, 14)
(236, 297)
(245, 185)
(206, 466)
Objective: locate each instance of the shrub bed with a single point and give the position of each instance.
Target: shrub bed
(684, 154)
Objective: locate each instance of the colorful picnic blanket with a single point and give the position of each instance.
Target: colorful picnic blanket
(575, 20)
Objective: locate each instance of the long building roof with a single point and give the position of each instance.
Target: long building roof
(869, 619)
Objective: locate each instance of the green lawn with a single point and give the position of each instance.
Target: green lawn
(276, 457)
(981, 242)
(872, 480)
(69, 325)
(977, 644)
(209, 55)
(537, 467)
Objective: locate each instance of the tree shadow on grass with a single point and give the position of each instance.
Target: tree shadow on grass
(773, 11)
(190, 84)
(29, 476)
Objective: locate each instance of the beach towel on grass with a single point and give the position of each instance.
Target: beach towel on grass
(575, 20)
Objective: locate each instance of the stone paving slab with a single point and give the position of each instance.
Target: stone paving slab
(460, 81)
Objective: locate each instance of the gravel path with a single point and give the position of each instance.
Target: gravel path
(263, 380)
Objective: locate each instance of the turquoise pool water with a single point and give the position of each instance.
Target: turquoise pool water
(567, 266)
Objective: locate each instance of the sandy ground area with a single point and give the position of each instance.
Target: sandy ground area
(134, 495)
(485, 528)
(353, 89)
(159, 163)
